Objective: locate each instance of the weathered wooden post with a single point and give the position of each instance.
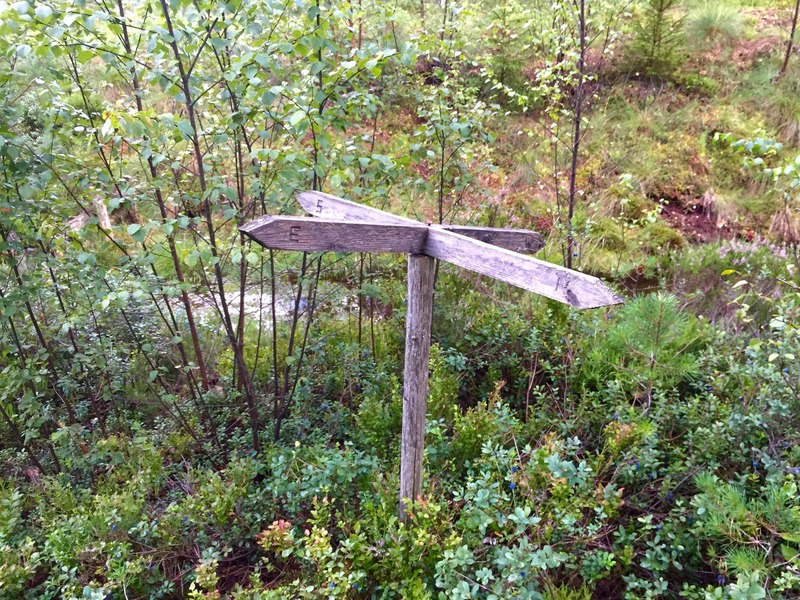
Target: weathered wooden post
(345, 226)
(415, 374)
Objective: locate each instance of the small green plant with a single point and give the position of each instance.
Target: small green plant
(767, 158)
(712, 22)
(655, 51)
(651, 344)
(753, 535)
(694, 83)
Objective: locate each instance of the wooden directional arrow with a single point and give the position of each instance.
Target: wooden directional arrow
(333, 207)
(343, 226)
(335, 235)
(351, 227)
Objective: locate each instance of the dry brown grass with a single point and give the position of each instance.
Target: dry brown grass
(784, 226)
(716, 207)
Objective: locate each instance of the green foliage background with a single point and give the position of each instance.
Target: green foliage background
(184, 414)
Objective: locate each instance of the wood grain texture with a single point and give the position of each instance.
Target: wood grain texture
(491, 259)
(415, 376)
(516, 240)
(332, 207)
(553, 281)
(324, 205)
(334, 235)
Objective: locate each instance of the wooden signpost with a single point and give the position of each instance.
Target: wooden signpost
(339, 225)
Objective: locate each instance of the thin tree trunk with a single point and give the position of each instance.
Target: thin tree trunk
(576, 133)
(51, 364)
(74, 342)
(19, 441)
(243, 370)
(187, 305)
(790, 42)
(7, 418)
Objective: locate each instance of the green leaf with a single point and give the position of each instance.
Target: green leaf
(26, 191)
(43, 12)
(219, 43)
(790, 554)
(229, 192)
(87, 258)
(152, 376)
(22, 8)
(137, 232)
(296, 117)
(185, 128)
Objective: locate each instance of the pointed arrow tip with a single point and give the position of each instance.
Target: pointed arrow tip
(256, 224)
(597, 295)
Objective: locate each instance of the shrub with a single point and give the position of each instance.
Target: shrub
(650, 344)
(694, 83)
(752, 536)
(655, 51)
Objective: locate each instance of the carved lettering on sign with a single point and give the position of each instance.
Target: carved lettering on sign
(319, 205)
(294, 234)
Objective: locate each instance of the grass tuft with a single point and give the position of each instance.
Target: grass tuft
(784, 226)
(718, 207)
(713, 22)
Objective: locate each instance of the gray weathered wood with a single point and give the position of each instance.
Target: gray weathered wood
(517, 240)
(559, 283)
(553, 281)
(335, 235)
(415, 375)
(324, 205)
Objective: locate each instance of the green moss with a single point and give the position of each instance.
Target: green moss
(659, 236)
